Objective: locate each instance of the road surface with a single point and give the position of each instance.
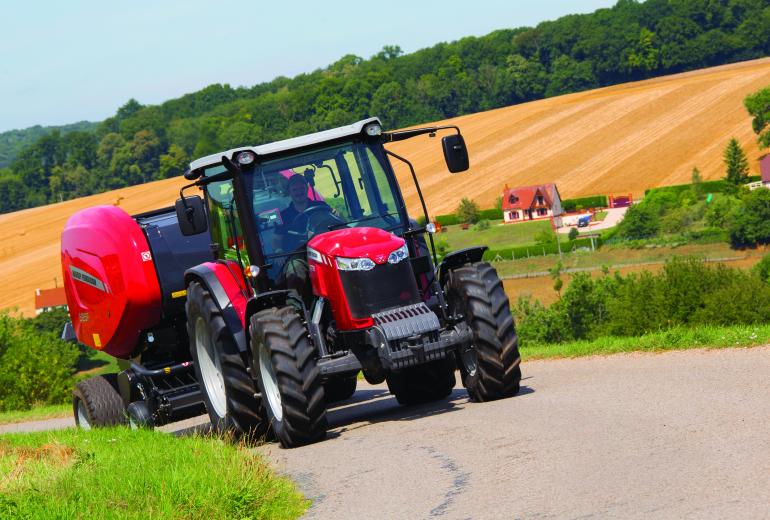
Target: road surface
(675, 435)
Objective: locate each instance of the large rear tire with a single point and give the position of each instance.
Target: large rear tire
(96, 403)
(229, 393)
(490, 369)
(288, 376)
(423, 383)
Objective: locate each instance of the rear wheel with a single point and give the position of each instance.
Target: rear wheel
(288, 376)
(340, 389)
(96, 403)
(228, 391)
(423, 383)
(490, 367)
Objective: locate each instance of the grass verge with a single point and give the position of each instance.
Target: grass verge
(37, 413)
(119, 473)
(680, 338)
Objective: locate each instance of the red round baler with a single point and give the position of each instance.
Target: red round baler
(110, 280)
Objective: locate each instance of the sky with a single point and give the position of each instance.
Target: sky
(62, 62)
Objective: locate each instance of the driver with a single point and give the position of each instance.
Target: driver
(298, 189)
(295, 271)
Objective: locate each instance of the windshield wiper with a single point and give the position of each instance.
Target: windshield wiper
(372, 217)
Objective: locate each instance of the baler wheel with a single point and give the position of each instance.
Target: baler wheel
(228, 390)
(97, 403)
(490, 369)
(139, 416)
(423, 383)
(288, 376)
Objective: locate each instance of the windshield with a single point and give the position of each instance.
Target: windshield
(297, 197)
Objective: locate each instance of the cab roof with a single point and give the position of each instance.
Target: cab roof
(288, 144)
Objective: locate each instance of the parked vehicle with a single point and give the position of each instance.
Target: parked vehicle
(283, 307)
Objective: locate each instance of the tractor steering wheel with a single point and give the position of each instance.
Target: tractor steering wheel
(305, 222)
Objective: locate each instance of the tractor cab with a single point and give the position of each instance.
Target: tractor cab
(295, 196)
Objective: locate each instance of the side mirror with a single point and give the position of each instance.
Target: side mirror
(455, 153)
(191, 215)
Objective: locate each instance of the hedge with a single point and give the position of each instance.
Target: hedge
(597, 201)
(708, 187)
(550, 248)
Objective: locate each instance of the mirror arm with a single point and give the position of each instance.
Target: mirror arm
(392, 137)
(422, 200)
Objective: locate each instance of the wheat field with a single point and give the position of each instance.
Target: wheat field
(616, 140)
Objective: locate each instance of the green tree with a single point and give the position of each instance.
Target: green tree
(758, 106)
(697, 183)
(573, 233)
(467, 211)
(736, 163)
(748, 225)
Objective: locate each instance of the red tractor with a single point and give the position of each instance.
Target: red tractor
(298, 269)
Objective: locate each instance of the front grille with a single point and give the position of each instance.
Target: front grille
(385, 287)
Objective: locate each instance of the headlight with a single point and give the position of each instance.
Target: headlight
(398, 255)
(354, 264)
(373, 130)
(245, 158)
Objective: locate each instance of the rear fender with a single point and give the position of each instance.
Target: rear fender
(227, 286)
(459, 258)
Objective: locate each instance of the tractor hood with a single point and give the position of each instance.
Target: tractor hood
(360, 242)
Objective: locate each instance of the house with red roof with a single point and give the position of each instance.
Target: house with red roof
(764, 169)
(532, 203)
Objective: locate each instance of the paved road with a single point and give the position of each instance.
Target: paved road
(675, 435)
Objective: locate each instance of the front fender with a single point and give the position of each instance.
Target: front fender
(230, 292)
(459, 258)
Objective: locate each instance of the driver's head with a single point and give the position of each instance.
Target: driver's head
(298, 188)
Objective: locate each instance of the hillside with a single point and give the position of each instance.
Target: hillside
(13, 141)
(615, 140)
(618, 139)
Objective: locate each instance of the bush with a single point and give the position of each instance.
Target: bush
(573, 234)
(762, 269)
(537, 324)
(641, 221)
(481, 225)
(686, 292)
(748, 225)
(35, 368)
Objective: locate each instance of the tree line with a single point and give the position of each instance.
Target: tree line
(630, 41)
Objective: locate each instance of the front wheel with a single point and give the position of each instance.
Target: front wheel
(288, 376)
(490, 366)
(228, 390)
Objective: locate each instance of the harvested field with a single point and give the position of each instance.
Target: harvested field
(615, 140)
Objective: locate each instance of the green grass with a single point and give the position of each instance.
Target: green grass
(36, 414)
(122, 474)
(617, 256)
(680, 338)
(599, 216)
(497, 236)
